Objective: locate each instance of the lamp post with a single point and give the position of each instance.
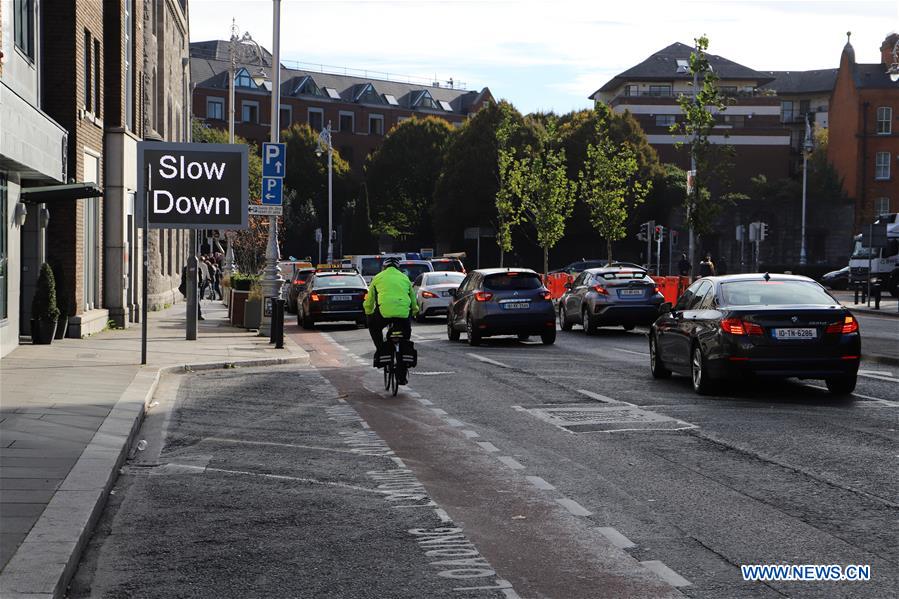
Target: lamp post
(325, 145)
(806, 150)
(271, 276)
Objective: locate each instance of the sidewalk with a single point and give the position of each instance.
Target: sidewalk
(68, 413)
(889, 305)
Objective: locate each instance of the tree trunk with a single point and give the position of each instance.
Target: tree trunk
(501, 254)
(545, 260)
(609, 250)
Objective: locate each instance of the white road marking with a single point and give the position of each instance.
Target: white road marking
(470, 434)
(666, 573)
(435, 373)
(424, 402)
(439, 412)
(487, 360)
(510, 593)
(878, 377)
(883, 402)
(616, 538)
(883, 372)
(597, 396)
(511, 462)
(573, 506)
(364, 424)
(444, 517)
(454, 422)
(540, 483)
(488, 446)
(280, 477)
(399, 462)
(274, 444)
(630, 351)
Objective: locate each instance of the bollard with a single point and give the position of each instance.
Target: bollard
(279, 339)
(875, 293)
(271, 315)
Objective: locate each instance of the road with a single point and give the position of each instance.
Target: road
(570, 470)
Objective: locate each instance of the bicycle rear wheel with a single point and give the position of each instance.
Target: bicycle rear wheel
(394, 382)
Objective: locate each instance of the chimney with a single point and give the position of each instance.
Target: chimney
(887, 48)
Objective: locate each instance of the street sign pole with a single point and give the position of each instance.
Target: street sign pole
(870, 256)
(192, 299)
(145, 268)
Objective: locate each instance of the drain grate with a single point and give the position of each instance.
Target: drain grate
(578, 419)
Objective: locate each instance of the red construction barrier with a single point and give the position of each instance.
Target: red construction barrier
(555, 283)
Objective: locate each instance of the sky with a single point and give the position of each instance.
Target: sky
(546, 55)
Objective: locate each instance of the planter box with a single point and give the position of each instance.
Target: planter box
(42, 331)
(252, 314)
(238, 300)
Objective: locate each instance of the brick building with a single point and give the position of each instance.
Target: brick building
(864, 140)
(361, 110)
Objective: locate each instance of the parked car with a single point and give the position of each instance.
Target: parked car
(296, 286)
(770, 325)
(501, 301)
(837, 279)
(447, 265)
(610, 296)
(331, 297)
(434, 292)
(414, 268)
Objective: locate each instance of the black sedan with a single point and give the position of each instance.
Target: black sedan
(754, 324)
(332, 297)
(501, 301)
(297, 285)
(610, 296)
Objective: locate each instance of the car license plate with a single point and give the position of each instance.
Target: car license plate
(516, 306)
(630, 292)
(795, 333)
(341, 298)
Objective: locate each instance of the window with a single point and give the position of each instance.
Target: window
(97, 72)
(804, 108)
(316, 119)
(332, 93)
(631, 90)
(884, 120)
(659, 90)
(129, 64)
(347, 123)
(307, 87)
(424, 100)
(243, 79)
(881, 206)
(391, 99)
(215, 108)
(88, 79)
(735, 120)
(882, 165)
(4, 249)
(92, 237)
(445, 105)
(285, 116)
(787, 113)
(366, 94)
(375, 124)
(728, 90)
(665, 120)
(249, 111)
(23, 21)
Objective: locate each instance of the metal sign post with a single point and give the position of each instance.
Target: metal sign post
(145, 269)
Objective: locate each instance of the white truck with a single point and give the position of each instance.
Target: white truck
(369, 265)
(883, 262)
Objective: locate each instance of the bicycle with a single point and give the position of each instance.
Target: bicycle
(396, 371)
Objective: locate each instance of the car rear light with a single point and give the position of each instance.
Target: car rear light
(364, 295)
(849, 325)
(656, 289)
(850, 358)
(736, 326)
(315, 298)
(483, 296)
(600, 290)
(547, 295)
(428, 294)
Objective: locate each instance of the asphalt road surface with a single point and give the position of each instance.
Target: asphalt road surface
(565, 471)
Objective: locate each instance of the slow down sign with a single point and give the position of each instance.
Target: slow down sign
(192, 186)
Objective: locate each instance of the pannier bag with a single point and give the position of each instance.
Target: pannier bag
(409, 353)
(384, 356)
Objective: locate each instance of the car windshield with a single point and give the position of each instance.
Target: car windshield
(861, 252)
(414, 270)
(774, 293)
(371, 266)
(512, 281)
(446, 266)
(629, 274)
(301, 277)
(322, 282)
(444, 278)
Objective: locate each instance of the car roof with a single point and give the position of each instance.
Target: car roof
(758, 276)
(613, 268)
(415, 262)
(334, 273)
(496, 271)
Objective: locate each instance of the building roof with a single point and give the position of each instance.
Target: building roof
(801, 82)
(873, 76)
(209, 66)
(663, 66)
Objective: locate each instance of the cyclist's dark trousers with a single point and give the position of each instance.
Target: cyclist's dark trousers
(376, 324)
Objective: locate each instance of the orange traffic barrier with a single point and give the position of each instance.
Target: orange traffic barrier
(555, 283)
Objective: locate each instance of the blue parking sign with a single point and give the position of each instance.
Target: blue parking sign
(274, 160)
(272, 188)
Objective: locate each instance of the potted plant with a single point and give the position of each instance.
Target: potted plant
(252, 315)
(62, 301)
(44, 312)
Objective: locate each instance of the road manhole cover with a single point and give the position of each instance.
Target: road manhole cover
(581, 419)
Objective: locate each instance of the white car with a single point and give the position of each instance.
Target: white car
(433, 290)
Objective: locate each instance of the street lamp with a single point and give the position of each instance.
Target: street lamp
(325, 145)
(806, 150)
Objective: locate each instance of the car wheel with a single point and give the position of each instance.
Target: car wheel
(451, 333)
(655, 361)
(587, 322)
(699, 373)
(420, 318)
(306, 321)
(474, 337)
(628, 327)
(563, 320)
(841, 385)
(548, 337)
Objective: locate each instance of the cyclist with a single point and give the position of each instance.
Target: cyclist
(390, 298)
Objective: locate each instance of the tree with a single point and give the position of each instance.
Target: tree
(610, 186)
(401, 177)
(698, 122)
(512, 177)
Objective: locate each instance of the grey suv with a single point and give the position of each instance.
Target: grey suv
(609, 296)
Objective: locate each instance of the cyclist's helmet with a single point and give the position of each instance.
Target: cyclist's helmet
(391, 261)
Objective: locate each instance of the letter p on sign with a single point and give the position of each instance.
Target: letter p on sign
(273, 160)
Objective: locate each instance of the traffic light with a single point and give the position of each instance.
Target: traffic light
(643, 235)
(763, 231)
(659, 233)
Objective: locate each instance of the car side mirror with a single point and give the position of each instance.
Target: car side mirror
(665, 308)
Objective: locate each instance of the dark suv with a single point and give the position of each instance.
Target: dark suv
(501, 301)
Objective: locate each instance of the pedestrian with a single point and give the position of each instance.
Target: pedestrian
(204, 277)
(216, 274)
(183, 289)
(683, 266)
(707, 267)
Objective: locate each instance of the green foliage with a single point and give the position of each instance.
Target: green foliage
(401, 177)
(610, 186)
(242, 282)
(43, 304)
